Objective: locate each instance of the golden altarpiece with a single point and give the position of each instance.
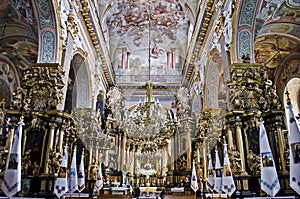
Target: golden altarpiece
(147, 144)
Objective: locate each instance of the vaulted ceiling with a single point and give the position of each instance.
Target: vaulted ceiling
(148, 39)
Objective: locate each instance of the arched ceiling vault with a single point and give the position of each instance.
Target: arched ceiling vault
(149, 40)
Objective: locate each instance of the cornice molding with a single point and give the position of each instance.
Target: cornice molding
(97, 38)
(201, 28)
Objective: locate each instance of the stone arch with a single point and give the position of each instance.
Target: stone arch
(9, 79)
(293, 87)
(244, 29)
(79, 84)
(196, 104)
(83, 88)
(289, 69)
(5, 92)
(48, 42)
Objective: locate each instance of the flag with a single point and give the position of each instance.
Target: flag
(12, 178)
(99, 180)
(269, 180)
(73, 179)
(194, 181)
(210, 174)
(294, 144)
(228, 185)
(218, 175)
(61, 183)
(81, 175)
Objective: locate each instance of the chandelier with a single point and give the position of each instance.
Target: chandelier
(149, 122)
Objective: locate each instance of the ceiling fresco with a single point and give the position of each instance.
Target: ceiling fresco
(148, 40)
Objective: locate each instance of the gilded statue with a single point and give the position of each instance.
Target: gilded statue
(253, 163)
(235, 158)
(54, 161)
(93, 170)
(26, 163)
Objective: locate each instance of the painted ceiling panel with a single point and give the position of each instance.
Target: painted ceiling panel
(148, 40)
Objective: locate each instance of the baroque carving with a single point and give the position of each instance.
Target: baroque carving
(41, 90)
(182, 102)
(115, 102)
(250, 88)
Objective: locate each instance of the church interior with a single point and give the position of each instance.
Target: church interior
(149, 90)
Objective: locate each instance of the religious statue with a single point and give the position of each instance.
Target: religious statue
(253, 163)
(93, 170)
(54, 161)
(26, 163)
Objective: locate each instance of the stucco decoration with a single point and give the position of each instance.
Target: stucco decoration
(212, 81)
(244, 46)
(45, 13)
(64, 23)
(212, 100)
(8, 73)
(48, 39)
(48, 42)
(83, 88)
(227, 28)
(247, 12)
(199, 81)
(196, 104)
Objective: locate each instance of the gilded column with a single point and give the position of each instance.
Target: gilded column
(91, 152)
(204, 163)
(132, 165)
(173, 154)
(49, 145)
(106, 157)
(120, 161)
(10, 139)
(198, 155)
(229, 137)
(97, 151)
(127, 159)
(23, 141)
(137, 162)
(189, 144)
(123, 150)
(60, 139)
(240, 146)
(165, 162)
(281, 147)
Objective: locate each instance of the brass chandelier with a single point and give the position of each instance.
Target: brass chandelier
(148, 123)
